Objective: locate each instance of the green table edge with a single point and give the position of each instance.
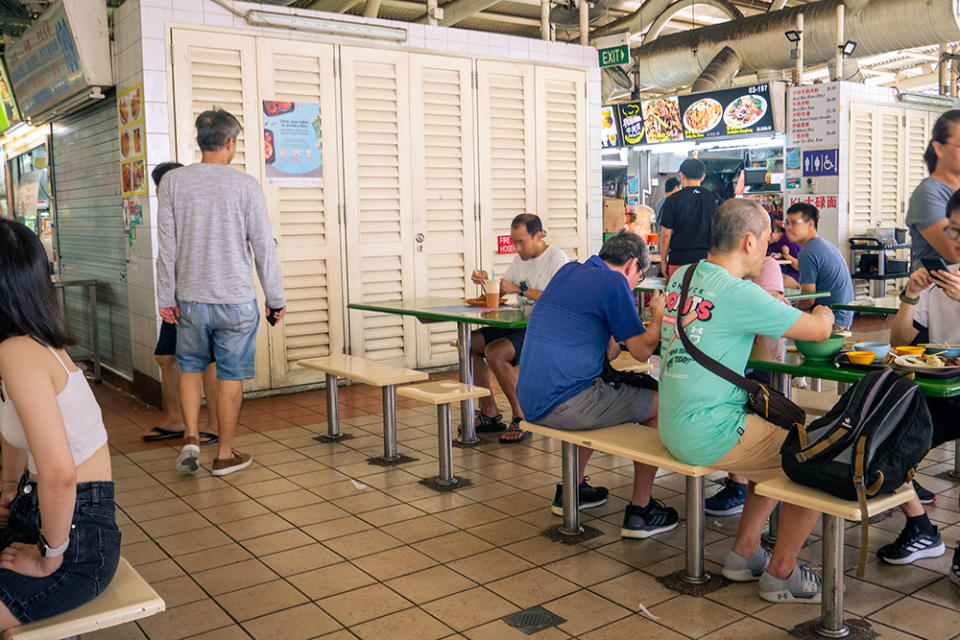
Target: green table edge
(938, 388)
(441, 317)
(859, 308)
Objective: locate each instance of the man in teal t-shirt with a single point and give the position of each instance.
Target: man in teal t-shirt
(702, 417)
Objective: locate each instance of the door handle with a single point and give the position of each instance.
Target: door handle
(419, 238)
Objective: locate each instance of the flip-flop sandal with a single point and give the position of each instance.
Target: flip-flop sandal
(512, 429)
(487, 424)
(162, 433)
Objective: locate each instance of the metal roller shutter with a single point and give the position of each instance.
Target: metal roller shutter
(86, 183)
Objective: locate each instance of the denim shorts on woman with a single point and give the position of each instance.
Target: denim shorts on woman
(89, 562)
(227, 331)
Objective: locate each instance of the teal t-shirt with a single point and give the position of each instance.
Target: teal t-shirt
(701, 415)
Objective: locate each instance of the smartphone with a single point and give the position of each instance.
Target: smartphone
(272, 316)
(934, 264)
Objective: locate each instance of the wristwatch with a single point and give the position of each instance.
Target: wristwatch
(51, 552)
(907, 299)
(523, 289)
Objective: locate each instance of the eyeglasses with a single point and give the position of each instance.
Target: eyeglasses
(952, 233)
(790, 223)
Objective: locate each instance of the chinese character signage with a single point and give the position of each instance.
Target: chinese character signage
(291, 144)
(133, 142)
(814, 119)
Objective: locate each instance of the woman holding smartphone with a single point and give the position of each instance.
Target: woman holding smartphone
(929, 200)
(58, 532)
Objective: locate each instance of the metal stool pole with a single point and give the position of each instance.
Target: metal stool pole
(389, 424)
(956, 460)
(831, 610)
(445, 447)
(694, 572)
(571, 492)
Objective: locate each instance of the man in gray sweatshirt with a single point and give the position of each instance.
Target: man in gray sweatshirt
(209, 217)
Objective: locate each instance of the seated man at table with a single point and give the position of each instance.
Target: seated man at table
(498, 350)
(585, 311)
(822, 267)
(929, 313)
(703, 420)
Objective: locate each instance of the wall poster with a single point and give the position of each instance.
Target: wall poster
(291, 144)
(133, 142)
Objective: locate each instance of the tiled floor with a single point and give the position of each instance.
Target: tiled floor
(313, 542)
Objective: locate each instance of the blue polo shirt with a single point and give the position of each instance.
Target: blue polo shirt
(822, 265)
(568, 333)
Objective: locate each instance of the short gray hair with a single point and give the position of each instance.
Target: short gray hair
(620, 248)
(215, 128)
(735, 219)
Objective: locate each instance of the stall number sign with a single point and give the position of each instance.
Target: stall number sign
(505, 245)
(614, 50)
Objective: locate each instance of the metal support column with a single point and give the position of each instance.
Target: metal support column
(694, 572)
(333, 409)
(842, 387)
(831, 609)
(771, 536)
(389, 424)
(956, 460)
(571, 492)
(445, 447)
(468, 434)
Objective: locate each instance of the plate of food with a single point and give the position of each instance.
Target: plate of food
(703, 115)
(482, 302)
(745, 111)
(661, 116)
(929, 364)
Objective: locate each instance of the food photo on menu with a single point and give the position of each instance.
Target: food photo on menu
(661, 117)
(631, 122)
(745, 111)
(609, 135)
(703, 115)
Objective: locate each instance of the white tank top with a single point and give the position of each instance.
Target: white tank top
(81, 416)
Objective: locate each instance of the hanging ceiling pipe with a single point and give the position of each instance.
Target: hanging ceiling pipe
(371, 8)
(633, 21)
(661, 21)
(943, 82)
(719, 73)
(545, 19)
(584, 23)
(838, 56)
(676, 60)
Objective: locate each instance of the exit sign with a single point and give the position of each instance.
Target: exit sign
(614, 49)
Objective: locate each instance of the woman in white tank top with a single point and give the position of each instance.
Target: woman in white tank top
(58, 532)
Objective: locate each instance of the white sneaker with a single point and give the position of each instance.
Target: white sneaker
(803, 585)
(189, 459)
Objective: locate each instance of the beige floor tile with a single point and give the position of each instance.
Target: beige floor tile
(532, 587)
(694, 616)
(336, 528)
(185, 621)
(233, 576)
(586, 569)
(921, 618)
(280, 541)
(260, 599)
(268, 487)
(366, 501)
(411, 624)
(460, 610)
(505, 531)
(430, 584)
(299, 623)
(366, 603)
(635, 626)
(193, 541)
(417, 529)
(787, 616)
(361, 544)
(178, 591)
(255, 527)
(500, 630)
(212, 558)
(390, 515)
(313, 513)
(160, 570)
(196, 484)
(540, 550)
(394, 562)
(157, 509)
(330, 580)
(490, 565)
(520, 503)
(142, 552)
(452, 546)
(442, 502)
(942, 592)
(300, 559)
(864, 598)
(213, 498)
(632, 588)
(149, 495)
(234, 511)
(289, 500)
(747, 628)
(470, 516)
(129, 631)
(642, 553)
(254, 475)
(585, 611)
(741, 596)
(223, 633)
(179, 523)
(905, 578)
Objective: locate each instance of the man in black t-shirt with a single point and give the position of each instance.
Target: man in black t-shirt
(686, 219)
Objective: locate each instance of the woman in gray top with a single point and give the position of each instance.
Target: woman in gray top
(926, 216)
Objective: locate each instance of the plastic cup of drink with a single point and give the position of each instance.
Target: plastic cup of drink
(492, 290)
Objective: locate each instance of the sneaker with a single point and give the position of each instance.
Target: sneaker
(189, 459)
(803, 585)
(640, 522)
(740, 569)
(728, 501)
(925, 495)
(955, 568)
(590, 497)
(912, 544)
(239, 461)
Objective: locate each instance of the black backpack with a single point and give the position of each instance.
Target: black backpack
(870, 442)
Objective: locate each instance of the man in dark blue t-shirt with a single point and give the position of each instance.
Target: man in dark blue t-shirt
(582, 315)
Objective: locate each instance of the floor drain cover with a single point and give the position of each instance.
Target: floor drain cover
(532, 620)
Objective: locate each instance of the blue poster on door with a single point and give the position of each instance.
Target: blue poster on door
(291, 144)
(822, 162)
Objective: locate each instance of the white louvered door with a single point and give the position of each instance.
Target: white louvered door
(562, 158)
(444, 199)
(862, 168)
(377, 188)
(305, 219)
(507, 152)
(220, 70)
(889, 187)
(916, 137)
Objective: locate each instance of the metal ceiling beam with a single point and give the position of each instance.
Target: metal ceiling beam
(454, 12)
(332, 6)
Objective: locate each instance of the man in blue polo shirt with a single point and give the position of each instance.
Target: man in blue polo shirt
(582, 315)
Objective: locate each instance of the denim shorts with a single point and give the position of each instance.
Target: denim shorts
(89, 562)
(226, 333)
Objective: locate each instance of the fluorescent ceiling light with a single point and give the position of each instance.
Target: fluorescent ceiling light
(326, 25)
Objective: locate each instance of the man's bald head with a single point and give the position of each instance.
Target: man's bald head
(733, 221)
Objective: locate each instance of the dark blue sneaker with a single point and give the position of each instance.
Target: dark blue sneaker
(728, 501)
(590, 497)
(925, 495)
(643, 522)
(912, 544)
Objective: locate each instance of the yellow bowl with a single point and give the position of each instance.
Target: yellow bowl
(909, 351)
(861, 357)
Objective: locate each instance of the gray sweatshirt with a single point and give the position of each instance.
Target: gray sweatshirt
(208, 219)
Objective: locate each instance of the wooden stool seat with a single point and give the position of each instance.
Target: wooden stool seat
(128, 597)
(626, 362)
(362, 370)
(442, 392)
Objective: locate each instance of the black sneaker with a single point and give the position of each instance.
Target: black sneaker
(926, 496)
(728, 501)
(590, 497)
(955, 568)
(912, 544)
(640, 522)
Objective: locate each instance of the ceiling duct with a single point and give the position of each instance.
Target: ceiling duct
(615, 84)
(720, 72)
(877, 27)
(566, 14)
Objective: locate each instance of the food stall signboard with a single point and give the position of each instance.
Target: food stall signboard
(133, 142)
(814, 115)
(609, 127)
(729, 113)
(291, 139)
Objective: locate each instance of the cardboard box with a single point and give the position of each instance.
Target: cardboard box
(614, 215)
